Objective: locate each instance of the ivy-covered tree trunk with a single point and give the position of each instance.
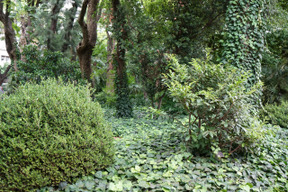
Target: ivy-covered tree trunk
(244, 36)
(123, 104)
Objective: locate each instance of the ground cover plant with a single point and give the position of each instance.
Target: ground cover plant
(151, 155)
(51, 132)
(201, 131)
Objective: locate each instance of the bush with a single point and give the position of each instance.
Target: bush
(278, 113)
(51, 132)
(218, 103)
(45, 64)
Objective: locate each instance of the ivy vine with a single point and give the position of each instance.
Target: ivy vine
(244, 36)
(124, 108)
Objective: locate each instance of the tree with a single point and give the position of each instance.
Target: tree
(89, 32)
(193, 22)
(4, 75)
(54, 27)
(146, 52)
(187, 25)
(110, 75)
(244, 36)
(120, 30)
(27, 10)
(10, 37)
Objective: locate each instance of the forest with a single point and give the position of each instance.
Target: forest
(144, 95)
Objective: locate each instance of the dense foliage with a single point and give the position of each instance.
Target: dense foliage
(198, 127)
(40, 64)
(275, 67)
(49, 133)
(217, 97)
(244, 35)
(151, 156)
(278, 113)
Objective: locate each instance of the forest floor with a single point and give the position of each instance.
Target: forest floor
(151, 156)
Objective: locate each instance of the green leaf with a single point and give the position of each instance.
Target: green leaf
(118, 186)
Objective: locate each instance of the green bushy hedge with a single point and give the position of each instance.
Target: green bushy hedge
(278, 113)
(49, 133)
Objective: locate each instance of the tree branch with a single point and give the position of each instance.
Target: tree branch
(2, 14)
(82, 22)
(4, 75)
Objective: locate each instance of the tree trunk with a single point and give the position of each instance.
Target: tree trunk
(110, 74)
(123, 104)
(246, 43)
(4, 75)
(84, 55)
(25, 37)
(89, 31)
(10, 37)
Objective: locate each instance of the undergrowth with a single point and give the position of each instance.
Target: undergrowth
(151, 156)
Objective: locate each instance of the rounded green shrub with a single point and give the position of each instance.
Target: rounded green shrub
(278, 113)
(51, 132)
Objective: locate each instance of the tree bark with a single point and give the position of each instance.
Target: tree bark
(10, 37)
(4, 75)
(119, 26)
(25, 37)
(89, 31)
(110, 74)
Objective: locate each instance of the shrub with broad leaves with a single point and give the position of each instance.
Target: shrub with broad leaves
(219, 104)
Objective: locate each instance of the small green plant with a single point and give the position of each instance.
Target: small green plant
(51, 132)
(217, 101)
(278, 113)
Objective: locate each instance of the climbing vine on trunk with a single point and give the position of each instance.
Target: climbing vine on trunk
(120, 30)
(244, 36)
